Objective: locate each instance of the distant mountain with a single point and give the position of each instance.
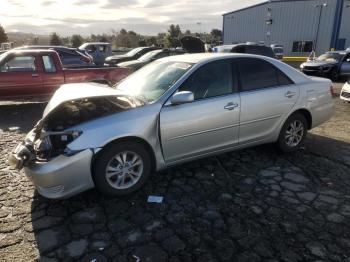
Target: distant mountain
(20, 38)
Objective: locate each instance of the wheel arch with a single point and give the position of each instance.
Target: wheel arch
(306, 113)
(136, 139)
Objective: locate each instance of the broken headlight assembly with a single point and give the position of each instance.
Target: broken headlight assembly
(52, 144)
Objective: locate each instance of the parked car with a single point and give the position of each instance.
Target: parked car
(131, 55)
(345, 91)
(247, 48)
(278, 50)
(149, 57)
(332, 64)
(99, 51)
(38, 73)
(70, 57)
(176, 109)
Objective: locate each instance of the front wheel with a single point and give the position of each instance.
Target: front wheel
(293, 133)
(121, 168)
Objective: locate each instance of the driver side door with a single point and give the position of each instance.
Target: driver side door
(210, 122)
(20, 77)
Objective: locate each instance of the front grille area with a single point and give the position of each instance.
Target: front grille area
(345, 94)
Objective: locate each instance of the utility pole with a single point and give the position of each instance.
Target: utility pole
(318, 24)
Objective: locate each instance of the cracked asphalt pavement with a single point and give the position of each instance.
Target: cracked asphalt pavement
(251, 205)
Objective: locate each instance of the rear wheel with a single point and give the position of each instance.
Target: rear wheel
(293, 133)
(121, 168)
(334, 74)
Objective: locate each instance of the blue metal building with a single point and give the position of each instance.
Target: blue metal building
(299, 25)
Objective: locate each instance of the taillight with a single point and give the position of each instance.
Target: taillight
(85, 59)
(331, 88)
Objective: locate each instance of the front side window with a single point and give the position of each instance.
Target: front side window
(257, 74)
(19, 64)
(49, 64)
(212, 79)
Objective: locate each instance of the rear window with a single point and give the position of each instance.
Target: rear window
(49, 64)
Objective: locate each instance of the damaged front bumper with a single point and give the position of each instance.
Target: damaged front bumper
(59, 177)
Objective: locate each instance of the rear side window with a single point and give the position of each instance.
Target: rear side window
(212, 79)
(49, 64)
(257, 74)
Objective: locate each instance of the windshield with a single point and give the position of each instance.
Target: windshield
(149, 55)
(133, 51)
(152, 81)
(331, 57)
(278, 50)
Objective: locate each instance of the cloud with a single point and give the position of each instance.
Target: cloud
(98, 16)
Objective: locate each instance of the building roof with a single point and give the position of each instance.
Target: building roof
(262, 3)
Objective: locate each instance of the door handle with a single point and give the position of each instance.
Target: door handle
(231, 106)
(289, 94)
(35, 75)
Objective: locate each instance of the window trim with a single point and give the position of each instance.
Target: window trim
(238, 67)
(235, 78)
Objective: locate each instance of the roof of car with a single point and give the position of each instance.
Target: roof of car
(201, 57)
(30, 51)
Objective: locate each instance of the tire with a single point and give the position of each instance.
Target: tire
(334, 75)
(294, 143)
(113, 176)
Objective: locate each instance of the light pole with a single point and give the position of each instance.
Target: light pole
(318, 24)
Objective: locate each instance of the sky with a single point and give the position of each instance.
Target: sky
(86, 17)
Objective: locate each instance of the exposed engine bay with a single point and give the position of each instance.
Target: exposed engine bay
(50, 135)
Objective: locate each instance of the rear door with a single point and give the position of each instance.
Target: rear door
(20, 76)
(267, 96)
(208, 123)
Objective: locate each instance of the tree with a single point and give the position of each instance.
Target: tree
(3, 35)
(76, 40)
(216, 33)
(174, 33)
(55, 39)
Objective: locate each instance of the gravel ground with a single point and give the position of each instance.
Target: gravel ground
(252, 205)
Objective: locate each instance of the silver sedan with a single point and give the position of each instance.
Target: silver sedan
(173, 110)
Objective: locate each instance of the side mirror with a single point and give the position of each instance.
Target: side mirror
(182, 97)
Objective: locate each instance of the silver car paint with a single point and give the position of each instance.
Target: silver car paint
(187, 134)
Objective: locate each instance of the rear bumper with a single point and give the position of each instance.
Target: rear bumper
(62, 176)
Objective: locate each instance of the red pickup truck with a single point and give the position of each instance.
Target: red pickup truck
(38, 73)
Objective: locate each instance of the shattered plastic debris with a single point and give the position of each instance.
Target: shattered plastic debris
(13, 128)
(155, 199)
(94, 260)
(137, 258)
(101, 248)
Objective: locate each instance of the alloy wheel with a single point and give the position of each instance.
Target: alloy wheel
(294, 133)
(124, 170)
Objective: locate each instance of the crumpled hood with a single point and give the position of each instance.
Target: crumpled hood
(69, 92)
(316, 63)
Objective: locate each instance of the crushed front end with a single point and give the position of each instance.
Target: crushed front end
(55, 169)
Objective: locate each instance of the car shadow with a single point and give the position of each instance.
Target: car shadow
(19, 117)
(90, 226)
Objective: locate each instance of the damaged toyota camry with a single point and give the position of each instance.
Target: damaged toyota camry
(173, 110)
